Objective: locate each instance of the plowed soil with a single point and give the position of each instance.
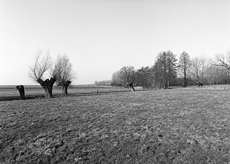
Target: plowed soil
(158, 126)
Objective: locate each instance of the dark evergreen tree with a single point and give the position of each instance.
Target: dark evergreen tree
(165, 69)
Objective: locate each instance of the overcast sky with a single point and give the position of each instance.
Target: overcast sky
(101, 36)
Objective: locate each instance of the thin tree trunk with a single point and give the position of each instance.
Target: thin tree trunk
(185, 82)
(166, 85)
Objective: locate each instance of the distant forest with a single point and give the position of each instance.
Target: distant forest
(168, 70)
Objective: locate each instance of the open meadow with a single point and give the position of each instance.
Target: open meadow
(171, 126)
(36, 91)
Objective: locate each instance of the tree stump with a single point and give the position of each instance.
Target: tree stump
(21, 90)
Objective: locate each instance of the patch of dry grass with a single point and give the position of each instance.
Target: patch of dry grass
(160, 126)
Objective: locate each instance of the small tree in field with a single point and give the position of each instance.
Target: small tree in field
(38, 70)
(64, 73)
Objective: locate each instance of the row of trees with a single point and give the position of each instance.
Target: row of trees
(59, 72)
(141, 77)
(168, 70)
(103, 83)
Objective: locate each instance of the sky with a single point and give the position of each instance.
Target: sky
(101, 36)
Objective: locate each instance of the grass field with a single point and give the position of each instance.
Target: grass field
(157, 126)
(36, 91)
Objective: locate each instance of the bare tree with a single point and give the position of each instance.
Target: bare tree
(38, 71)
(223, 60)
(216, 74)
(64, 73)
(127, 74)
(198, 65)
(184, 65)
(222, 67)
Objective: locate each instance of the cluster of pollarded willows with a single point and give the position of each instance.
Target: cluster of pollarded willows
(59, 72)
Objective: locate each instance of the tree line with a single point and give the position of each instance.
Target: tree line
(103, 83)
(168, 70)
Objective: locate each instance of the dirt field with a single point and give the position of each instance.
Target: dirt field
(158, 126)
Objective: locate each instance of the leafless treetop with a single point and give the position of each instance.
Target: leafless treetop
(63, 69)
(223, 60)
(41, 65)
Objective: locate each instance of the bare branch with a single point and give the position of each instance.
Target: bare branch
(63, 69)
(223, 61)
(41, 65)
(198, 65)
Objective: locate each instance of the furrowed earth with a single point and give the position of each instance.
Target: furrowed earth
(157, 126)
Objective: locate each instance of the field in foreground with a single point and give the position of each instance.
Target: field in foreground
(159, 126)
